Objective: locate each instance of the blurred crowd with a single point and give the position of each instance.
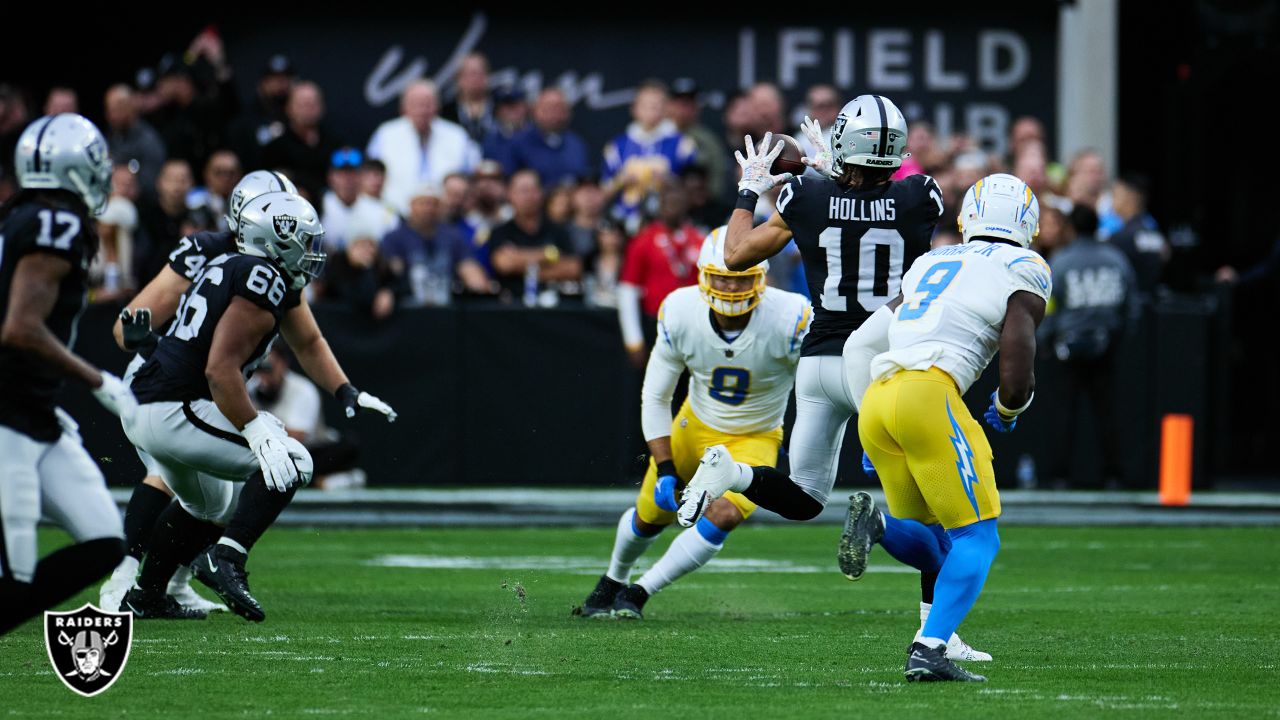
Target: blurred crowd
(490, 193)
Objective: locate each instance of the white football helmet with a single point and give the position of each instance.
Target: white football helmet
(285, 229)
(870, 130)
(711, 263)
(65, 152)
(250, 187)
(1000, 207)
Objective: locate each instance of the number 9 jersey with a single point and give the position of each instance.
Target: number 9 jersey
(175, 370)
(855, 244)
(954, 300)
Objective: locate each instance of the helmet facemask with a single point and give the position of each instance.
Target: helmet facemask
(731, 303)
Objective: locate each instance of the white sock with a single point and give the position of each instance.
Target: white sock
(224, 540)
(181, 576)
(688, 552)
(745, 476)
(128, 567)
(627, 548)
(932, 642)
(924, 613)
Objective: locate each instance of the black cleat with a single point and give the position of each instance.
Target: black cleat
(927, 664)
(599, 604)
(863, 527)
(629, 605)
(221, 568)
(157, 606)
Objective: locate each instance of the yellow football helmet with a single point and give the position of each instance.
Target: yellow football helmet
(711, 263)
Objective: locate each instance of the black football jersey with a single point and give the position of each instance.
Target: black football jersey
(190, 257)
(175, 370)
(53, 222)
(194, 251)
(855, 245)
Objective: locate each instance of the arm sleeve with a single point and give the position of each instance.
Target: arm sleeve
(629, 315)
(660, 377)
(861, 348)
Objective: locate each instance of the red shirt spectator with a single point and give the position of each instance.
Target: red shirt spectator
(663, 256)
(660, 260)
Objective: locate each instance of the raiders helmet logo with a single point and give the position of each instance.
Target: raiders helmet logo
(96, 151)
(88, 647)
(837, 130)
(285, 225)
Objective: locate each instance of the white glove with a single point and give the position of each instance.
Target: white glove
(822, 161)
(267, 442)
(116, 397)
(756, 165)
(371, 402)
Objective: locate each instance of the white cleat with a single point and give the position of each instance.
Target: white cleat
(958, 649)
(181, 590)
(121, 580)
(717, 474)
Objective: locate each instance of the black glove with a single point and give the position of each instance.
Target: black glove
(352, 400)
(136, 330)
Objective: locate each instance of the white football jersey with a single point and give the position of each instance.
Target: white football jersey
(953, 305)
(738, 387)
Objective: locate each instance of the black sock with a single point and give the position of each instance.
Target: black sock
(773, 490)
(257, 510)
(59, 576)
(178, 537)
(927, 580)
(145, 506)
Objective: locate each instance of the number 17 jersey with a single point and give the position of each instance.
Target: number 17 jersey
(855, 245)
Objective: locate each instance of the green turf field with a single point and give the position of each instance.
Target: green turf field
(1082, 622)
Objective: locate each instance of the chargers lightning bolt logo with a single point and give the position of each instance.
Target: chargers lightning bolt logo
(964, 461)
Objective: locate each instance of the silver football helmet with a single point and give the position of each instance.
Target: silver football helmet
(250, 187)
(65, 152)
(870, 130)
(285, 229)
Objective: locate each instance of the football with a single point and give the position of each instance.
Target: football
(788, 161)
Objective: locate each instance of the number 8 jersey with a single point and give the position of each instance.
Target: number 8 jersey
(175, 370)
(737, 386)
(855, 244)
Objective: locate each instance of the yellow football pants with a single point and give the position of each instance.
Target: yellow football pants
(690, 437)
(932, 457)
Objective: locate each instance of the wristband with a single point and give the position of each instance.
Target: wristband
(1010, 414)
(746, 201)
(347, 394)
(667, 467)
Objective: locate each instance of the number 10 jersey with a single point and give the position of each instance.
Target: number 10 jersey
(175, 370)
(855, 244)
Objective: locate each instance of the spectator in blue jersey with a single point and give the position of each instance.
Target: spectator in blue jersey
(431, 253)
(548, 146)
(510, 118)
(639, 161)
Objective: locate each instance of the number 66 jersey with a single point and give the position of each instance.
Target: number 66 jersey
(175, 370)
(855, 244)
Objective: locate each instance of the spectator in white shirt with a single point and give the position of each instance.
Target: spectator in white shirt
(345, 206)
(419, 147)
